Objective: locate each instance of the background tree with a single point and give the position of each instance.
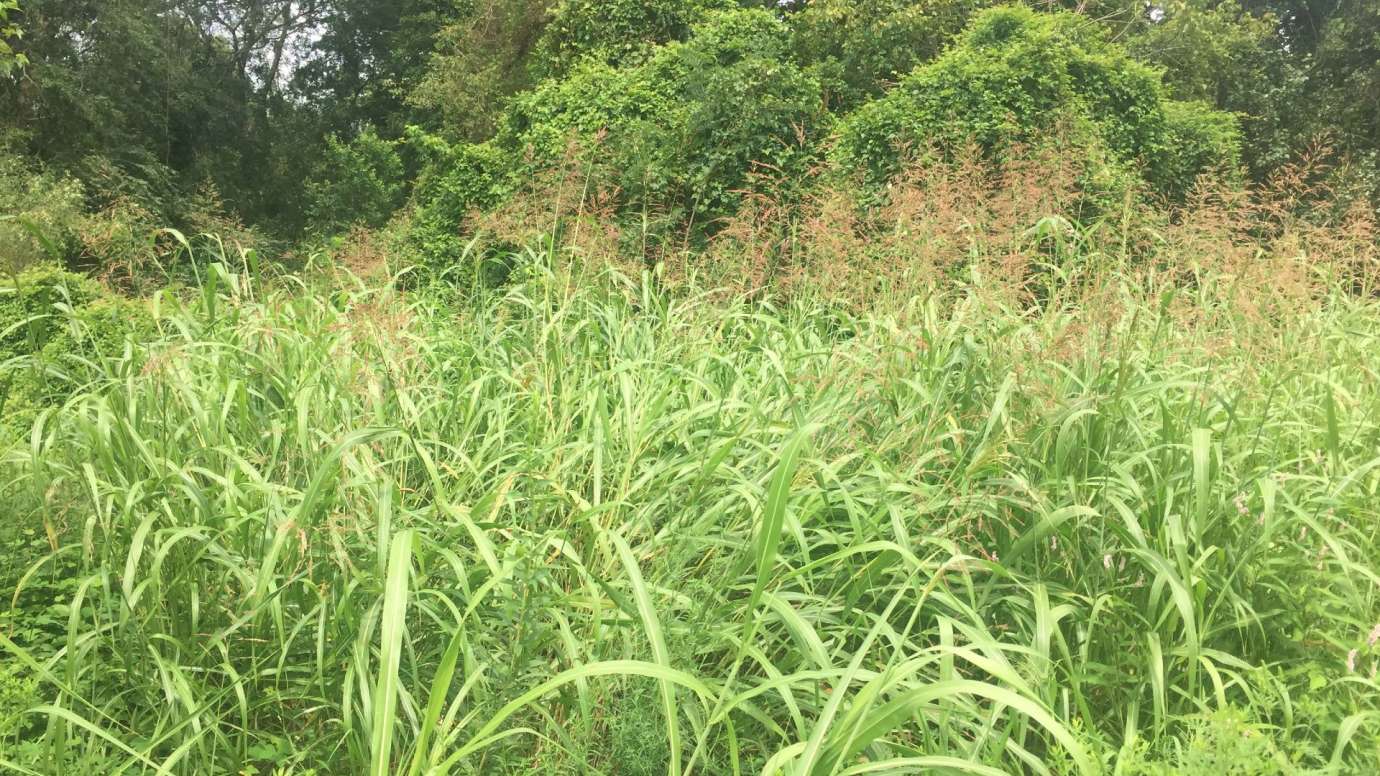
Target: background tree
(482, 58)
(358, 183)
(1345, 80)
(368, 59)
(9, 60)
(615, 32)
(1019, 78)
(859, 47)
(149, 101)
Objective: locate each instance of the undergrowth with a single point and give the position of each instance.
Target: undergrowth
(592, 522)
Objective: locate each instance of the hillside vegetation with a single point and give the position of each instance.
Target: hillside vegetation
(816, 388)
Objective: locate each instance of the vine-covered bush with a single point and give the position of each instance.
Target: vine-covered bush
(615, 32)
(673, 136)
(1015, 76)
(1196, 138)
(456, 179)
(684, 129)
(40, 214)
(50, 321)
(672, 140)
(359, 182)
(858, 47)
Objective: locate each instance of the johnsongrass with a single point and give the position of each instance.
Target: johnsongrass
(593, 527)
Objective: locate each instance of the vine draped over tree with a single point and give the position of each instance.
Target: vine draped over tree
(147, 101)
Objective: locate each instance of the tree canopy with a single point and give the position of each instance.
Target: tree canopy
(692, 104)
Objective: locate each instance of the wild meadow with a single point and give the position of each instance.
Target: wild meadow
(689, 387)
(586, 522)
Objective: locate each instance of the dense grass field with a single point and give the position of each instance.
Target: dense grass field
(586, 524)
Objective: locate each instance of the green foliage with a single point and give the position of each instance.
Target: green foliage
(29, 302)
(1223, 54)
(1196, 138)
(40, 213)
(359, 182)
(656, 528)
(615, 32)
(858, 47)
(132, 92)
(364, 61)
(456, 180)
(1208, 51)
(1345, 87)
(45, 218)
(1222, 743)
(677, 136)
(1083, 519)
(54, 325)
(482, 58)
(1015, 77)
(683, 130)
(151, 100)
(148, 101)
(18, 693)
(637, 739)
(10, 60)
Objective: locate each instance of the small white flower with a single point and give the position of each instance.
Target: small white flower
(1351, 661)
(1107, 561)
(1374, 635)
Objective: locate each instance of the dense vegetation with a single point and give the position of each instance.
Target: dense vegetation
(698, 386)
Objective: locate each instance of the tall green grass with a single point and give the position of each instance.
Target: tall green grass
(593, 527)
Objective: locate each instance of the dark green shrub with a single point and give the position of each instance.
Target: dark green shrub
(456, 179)
(145, 183)
(857, 47)
(40, 214)
(359, 182)
(1196, 138)
(615, 32)
(53, 325)
(1346, 83)
(50, 218)
(480, 59)
(684, 130)
(1013, 78)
